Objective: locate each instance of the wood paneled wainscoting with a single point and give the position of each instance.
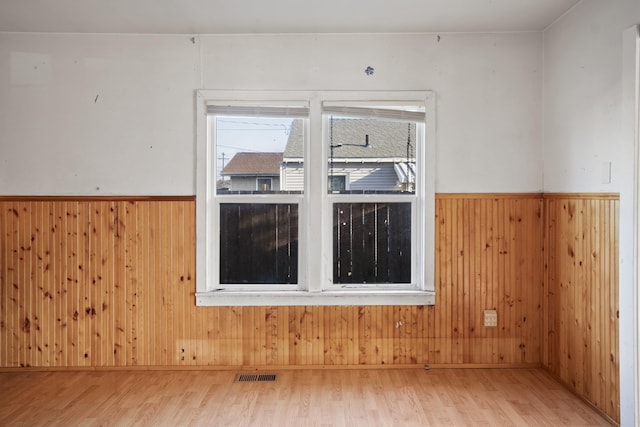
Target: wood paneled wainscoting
(581, 296)
(96, 282)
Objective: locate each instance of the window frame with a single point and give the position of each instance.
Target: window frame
(270, 180)
(314, 283)
(415, 227)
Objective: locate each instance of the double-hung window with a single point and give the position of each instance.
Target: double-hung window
(315, 198)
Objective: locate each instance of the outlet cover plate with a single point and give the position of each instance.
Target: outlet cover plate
(490, 318)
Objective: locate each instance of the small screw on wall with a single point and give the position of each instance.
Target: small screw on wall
(369, 70)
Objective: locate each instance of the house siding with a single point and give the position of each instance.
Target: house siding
(369, 176)
(362, 176)
(249, 183)
(293, 177)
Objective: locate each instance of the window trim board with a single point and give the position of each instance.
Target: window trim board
(324, 298)
(314, 289)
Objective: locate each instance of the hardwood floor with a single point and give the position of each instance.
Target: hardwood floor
(382, 397)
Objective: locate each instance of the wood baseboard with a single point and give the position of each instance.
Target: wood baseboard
(582, 398)
(270, 367)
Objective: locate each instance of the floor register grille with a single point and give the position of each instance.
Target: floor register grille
(254, 378)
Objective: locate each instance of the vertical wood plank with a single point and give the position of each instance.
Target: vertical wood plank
(4, 285)
(39, 304)
(13, 287)
(107, 281)
(118, 271)
(284, 339)
(86, 306)
(613, 406)
(140, 256)
(91, 269)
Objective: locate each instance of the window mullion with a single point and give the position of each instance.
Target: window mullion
(314, 198)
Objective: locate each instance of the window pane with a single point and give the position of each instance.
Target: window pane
(257, 155)
(263, 184)
(258, 243)
(372, 242)
(337, 183)
(372, 155)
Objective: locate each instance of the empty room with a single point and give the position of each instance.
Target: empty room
(418, 212)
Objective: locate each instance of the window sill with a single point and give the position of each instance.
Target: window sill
(298, 298)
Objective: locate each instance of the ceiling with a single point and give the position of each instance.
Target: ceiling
(278, 16)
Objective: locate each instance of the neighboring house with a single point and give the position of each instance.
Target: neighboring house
(364, 155)
(253, 172)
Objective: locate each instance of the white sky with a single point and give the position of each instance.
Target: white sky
(252, 134)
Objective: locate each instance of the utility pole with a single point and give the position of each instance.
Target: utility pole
(219, 177)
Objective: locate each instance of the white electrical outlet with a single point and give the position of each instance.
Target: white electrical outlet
(491, 318)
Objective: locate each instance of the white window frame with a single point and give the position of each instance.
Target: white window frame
(315, 255)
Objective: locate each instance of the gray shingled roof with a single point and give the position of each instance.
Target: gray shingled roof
(253, 164)
(387, 139)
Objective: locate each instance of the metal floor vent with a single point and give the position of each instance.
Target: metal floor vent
(254, 378)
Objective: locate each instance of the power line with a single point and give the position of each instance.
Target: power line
(244, 122)
(254, 130)
(240, 148)
(284, 127)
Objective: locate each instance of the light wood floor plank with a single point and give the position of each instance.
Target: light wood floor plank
(393, 397)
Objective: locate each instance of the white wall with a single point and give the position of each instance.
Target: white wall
(582, 92)
(487, 86)
(97, 114)
(584, 128)
(114, 114)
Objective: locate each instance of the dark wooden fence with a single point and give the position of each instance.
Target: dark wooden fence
(258, 243)
(372, 242)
